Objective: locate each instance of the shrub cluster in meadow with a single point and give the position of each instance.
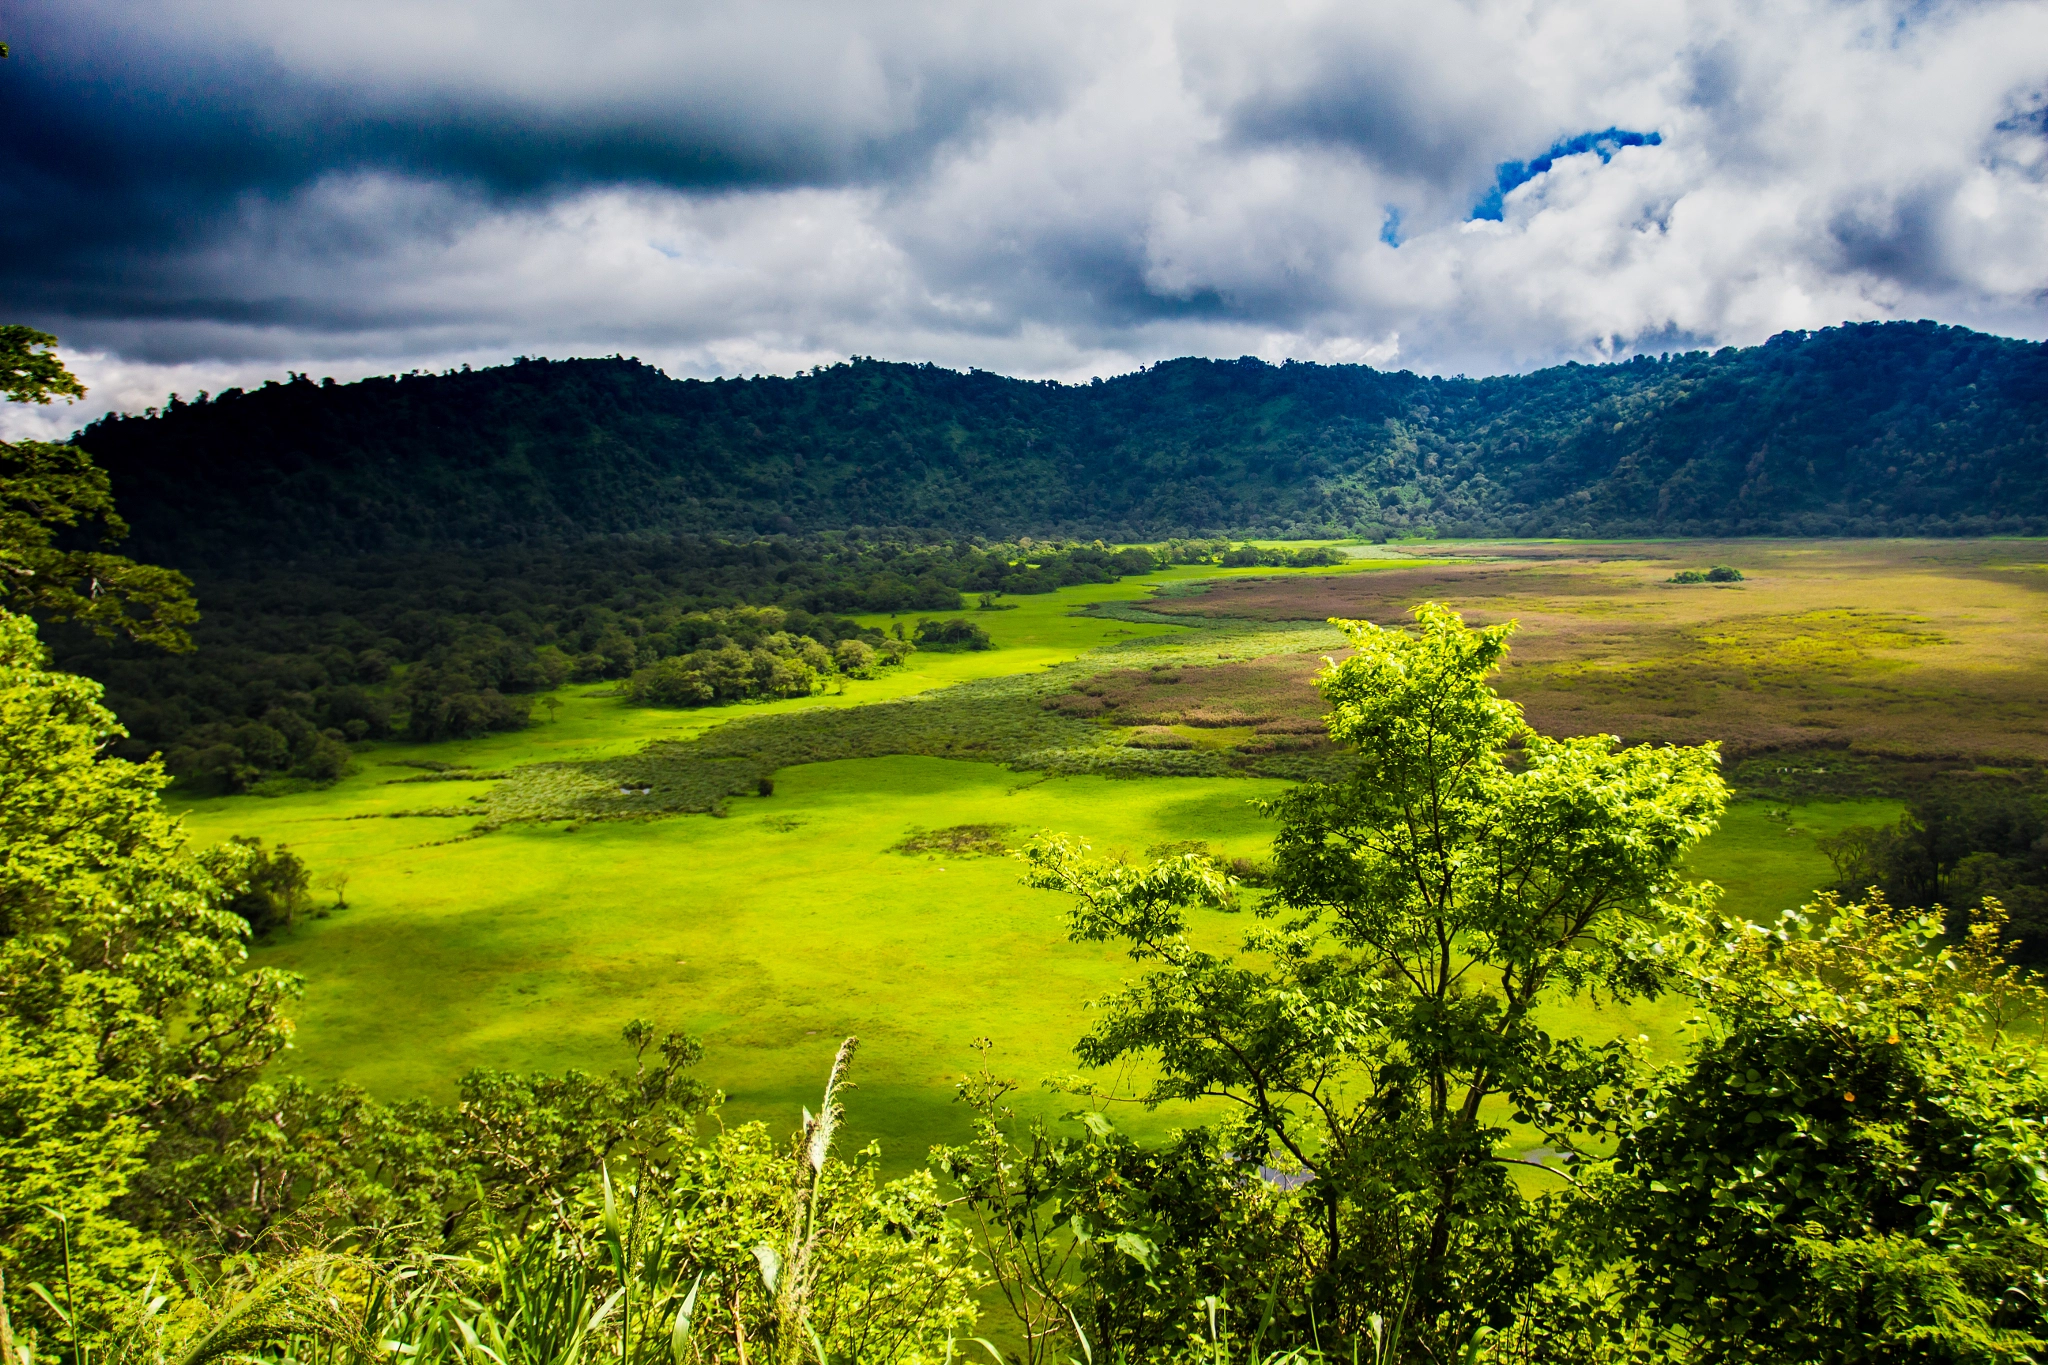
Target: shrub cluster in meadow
(744, 653)
(1720, 573)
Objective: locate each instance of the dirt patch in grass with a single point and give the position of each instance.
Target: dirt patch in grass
(959, 841)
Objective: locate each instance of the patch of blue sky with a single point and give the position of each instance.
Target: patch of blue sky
(1390, 231)
(1511, 174)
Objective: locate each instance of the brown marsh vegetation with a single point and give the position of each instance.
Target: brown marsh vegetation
(1926, 651)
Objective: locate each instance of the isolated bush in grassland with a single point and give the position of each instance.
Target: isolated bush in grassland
(1157, 737)
(1421, 914)
(956, 634)
(1720, 573)
(957, 840)
(782, 665)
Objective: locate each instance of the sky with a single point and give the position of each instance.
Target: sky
(204, 193)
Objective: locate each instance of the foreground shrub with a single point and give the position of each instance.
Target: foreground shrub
(1854, 1164)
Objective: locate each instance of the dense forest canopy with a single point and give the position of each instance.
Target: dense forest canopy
(1871, 428)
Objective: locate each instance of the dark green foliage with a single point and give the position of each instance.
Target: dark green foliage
(1257, 556)
(283, 1161)
(756, 659)
(956, 634)
(56, 518)
(449, 705)
(1862, 429)
(1958, 842)
(1720, 573)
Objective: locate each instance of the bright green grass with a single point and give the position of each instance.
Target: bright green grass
(778, 930)
(771, 934)
(592, 722)
(1764, 858)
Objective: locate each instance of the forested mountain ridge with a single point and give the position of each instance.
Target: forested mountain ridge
(1860, 429)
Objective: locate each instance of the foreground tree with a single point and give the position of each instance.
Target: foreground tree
(1421, 914)
(123, 1002)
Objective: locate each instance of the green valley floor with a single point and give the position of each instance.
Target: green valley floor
(795, 918)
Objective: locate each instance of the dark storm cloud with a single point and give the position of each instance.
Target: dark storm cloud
(153, 122)
(1899, 238)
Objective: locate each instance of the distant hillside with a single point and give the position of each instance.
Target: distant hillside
(1869, 429)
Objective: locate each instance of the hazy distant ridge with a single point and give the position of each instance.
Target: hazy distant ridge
(1864, 429)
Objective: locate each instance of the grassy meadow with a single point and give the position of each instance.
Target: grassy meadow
(793, 919)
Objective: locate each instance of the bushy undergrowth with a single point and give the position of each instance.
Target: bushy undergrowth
(297, 662)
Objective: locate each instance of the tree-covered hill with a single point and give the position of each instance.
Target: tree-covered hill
(1861, 429)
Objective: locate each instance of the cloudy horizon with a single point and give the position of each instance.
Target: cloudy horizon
(219, 191)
